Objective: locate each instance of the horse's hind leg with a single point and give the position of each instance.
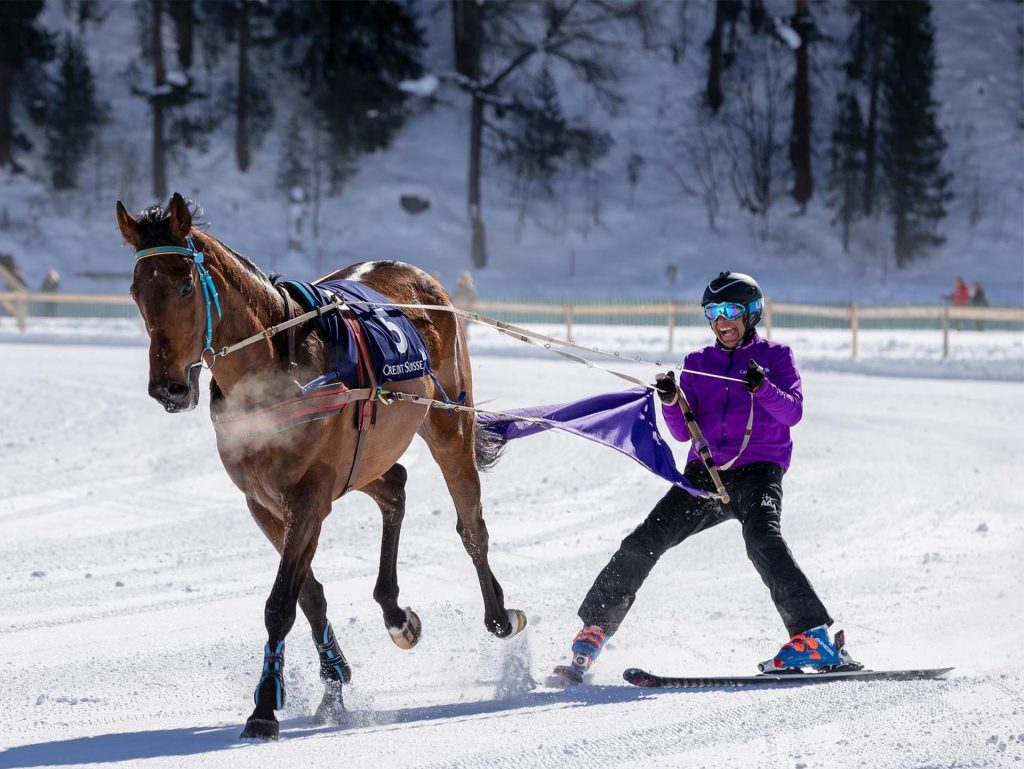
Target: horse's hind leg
(388, 492)
(334, 668)
(451, 440)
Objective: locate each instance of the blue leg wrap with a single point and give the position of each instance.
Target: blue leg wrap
(273, 674)
(333, 665)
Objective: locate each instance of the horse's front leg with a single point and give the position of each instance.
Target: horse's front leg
(388, 492)
(334, 668)
(301, 532)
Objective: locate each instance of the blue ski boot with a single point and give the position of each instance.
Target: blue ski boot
(585, 647)
(812, 649)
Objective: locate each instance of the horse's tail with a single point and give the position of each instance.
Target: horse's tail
(489, 446)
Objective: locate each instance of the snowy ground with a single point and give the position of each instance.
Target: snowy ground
(134, 581)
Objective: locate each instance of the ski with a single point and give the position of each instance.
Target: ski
(639, 677)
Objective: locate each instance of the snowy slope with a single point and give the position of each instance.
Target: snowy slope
(134, 584)
(557, 251)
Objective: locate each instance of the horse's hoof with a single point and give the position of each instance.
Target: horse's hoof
(517, 620)
(332, 706)
(513, 625)
(260, 729)
(408, 635)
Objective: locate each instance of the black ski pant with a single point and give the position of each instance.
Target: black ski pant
(755, 492)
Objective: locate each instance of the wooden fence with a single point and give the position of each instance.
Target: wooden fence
(23, 305)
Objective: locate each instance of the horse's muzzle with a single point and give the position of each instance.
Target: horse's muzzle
(175, 395)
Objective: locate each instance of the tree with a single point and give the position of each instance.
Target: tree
(726, 13)
(292, 169)
(171, 89)
(800, 135)
(495, 40)
(912, 144)
(353, 57)
(847, 155)
(73, 114)
(542, 138)
(248, 24)
(24, 44)
(541, 142)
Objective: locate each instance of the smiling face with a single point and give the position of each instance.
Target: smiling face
(166, 293)
(729, 333)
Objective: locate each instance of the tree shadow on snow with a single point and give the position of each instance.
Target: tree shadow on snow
(187, 741)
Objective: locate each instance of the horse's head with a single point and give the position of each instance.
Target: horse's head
(170, 290)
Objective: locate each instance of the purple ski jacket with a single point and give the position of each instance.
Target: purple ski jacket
(722, 408)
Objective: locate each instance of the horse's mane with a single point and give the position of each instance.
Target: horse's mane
(153, 218)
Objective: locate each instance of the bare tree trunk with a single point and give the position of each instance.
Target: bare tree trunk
(467, 26)
(800, 138)
(242, 104)
(871, 134)
(479, 252)
(713, 90)
(468, 31)
(182, 13)
(159, 80)
(6, 122)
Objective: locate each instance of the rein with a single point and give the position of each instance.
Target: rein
(387, 397)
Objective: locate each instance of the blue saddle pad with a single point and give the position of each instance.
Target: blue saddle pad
(395, 346)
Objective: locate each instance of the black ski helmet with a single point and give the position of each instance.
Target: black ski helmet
(739, 288)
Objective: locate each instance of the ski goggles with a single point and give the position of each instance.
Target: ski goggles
(731, 310)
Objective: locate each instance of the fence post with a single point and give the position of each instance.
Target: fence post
(945, 332)
(672, 324)
(568, 321)
(767, 318)
(854, 327)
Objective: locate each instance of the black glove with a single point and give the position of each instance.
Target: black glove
(667, 388)
(754, 377)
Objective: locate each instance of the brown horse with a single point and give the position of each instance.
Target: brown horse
(290, 478)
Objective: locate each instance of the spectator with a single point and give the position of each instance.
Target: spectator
(465, 296)
(978, 299)
(51, 284)
(961, 297)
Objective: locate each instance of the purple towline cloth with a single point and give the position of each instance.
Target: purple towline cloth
(624, 420)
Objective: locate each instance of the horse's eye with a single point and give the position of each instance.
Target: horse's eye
(185, 288)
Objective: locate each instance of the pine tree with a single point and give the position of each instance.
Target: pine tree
(544, 139)
(911, 144)
(353, 56)
(847, 155)
(73, 115)
(293, 168)
(24, 43)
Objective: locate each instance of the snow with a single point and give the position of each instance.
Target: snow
(134, 580)
(424, 86)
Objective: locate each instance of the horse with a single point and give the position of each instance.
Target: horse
(195, 295)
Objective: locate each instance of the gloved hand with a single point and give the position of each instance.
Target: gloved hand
(754, 378)
(667, 388)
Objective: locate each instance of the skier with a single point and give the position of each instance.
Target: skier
(751, 470)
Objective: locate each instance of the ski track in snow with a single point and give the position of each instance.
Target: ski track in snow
(133, 584)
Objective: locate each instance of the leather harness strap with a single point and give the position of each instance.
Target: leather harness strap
(366, 414)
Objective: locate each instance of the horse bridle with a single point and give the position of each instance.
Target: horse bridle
(206, 283)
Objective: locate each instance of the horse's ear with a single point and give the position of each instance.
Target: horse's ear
(128, 225)
(181, 217)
